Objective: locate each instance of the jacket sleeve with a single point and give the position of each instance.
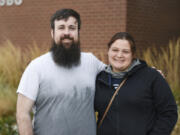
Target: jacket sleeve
(165, 106)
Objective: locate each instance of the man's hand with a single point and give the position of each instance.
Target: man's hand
(159, 71)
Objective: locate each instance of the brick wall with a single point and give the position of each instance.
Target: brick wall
(29, 22)
(149, 21)
(153, 22)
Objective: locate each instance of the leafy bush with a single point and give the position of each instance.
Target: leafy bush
(8, 126)
(12, 64)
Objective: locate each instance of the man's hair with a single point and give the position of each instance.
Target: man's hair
(65, 14)
(123, 36)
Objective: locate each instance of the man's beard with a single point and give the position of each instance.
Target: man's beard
(66, 57)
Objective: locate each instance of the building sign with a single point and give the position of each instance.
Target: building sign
(10, 2)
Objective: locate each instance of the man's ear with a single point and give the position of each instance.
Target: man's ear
(52, 33)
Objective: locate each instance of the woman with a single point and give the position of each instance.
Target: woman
(144, 104)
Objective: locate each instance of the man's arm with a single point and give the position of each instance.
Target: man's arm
(24, 107)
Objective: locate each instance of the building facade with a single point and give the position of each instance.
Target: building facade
(24, 22)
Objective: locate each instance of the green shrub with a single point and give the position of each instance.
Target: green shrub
(8, 126)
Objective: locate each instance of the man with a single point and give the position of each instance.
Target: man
(60, 84)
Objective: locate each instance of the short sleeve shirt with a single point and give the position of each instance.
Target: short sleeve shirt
(63, 97)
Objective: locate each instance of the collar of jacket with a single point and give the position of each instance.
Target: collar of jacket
(105, 77)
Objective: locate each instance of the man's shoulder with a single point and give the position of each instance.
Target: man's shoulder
(41, 60)
(87, 55)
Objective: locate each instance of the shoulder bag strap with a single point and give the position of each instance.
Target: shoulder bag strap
(110, 103)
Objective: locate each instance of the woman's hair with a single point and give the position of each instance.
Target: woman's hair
(123, 36)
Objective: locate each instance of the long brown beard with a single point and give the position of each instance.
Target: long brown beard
(66, 57)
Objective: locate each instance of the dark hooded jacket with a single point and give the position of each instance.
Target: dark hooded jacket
(144, 105)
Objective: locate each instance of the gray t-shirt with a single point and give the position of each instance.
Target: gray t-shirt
(63, 97)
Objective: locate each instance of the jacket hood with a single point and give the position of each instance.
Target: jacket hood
(103, 76)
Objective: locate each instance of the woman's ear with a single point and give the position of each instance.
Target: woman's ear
(134, 56)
